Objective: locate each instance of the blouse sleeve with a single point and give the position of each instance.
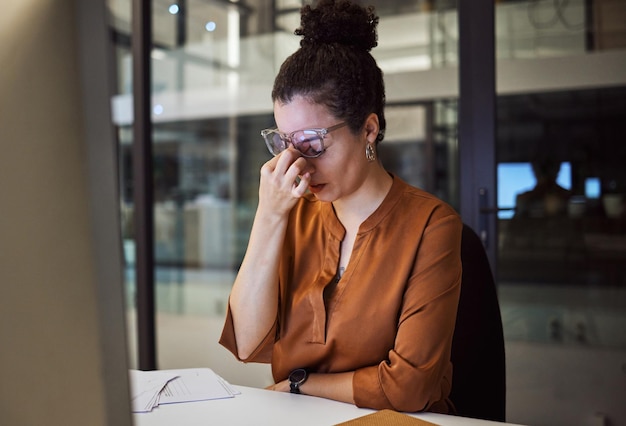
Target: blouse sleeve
(262, 354)
(417, 374)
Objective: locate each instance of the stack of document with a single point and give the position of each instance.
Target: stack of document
(149, 389)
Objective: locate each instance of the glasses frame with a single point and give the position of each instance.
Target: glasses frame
(288, 138)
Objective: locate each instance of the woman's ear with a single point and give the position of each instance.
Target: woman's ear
(371, 127)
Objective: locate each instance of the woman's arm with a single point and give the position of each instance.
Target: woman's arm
(254, 297)
(417, 372)
(331, 386)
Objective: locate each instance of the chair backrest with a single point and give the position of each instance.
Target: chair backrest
(479, 377)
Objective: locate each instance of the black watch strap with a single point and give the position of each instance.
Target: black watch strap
(294, 387)
(296, 378)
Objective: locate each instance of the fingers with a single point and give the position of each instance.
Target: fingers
(300, 188)
(286, 170)
(280, 386)
(290, 163)
(284, 179)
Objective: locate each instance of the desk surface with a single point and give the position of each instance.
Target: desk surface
(262, 407)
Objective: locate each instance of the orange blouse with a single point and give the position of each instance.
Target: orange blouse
(391, 316)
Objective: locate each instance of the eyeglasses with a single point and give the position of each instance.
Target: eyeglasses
(309, 142)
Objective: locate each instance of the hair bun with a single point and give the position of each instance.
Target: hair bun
(340, 22)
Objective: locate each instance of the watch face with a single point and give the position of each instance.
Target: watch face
(297, 376)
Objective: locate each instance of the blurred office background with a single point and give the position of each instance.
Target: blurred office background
(561, 95)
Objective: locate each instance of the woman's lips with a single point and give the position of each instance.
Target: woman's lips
(316, 188)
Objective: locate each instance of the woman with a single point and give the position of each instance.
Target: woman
(351, 279)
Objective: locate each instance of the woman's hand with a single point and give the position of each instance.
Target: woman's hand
(280, 386)
(279, 188)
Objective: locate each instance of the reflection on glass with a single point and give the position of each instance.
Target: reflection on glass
(577, 241)
(517, 178)
(562, 283)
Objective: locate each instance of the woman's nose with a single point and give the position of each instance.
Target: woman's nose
(309, 168)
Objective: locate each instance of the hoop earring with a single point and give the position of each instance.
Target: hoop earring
(370, 153)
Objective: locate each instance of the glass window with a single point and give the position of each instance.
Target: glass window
(561, 221)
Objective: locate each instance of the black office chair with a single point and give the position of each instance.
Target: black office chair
(479, 379)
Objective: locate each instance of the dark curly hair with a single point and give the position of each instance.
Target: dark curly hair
(333, 65)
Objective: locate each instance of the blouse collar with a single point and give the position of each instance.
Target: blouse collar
(334, 226)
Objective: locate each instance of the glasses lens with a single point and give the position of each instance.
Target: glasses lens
(308, 142)
(275, 144)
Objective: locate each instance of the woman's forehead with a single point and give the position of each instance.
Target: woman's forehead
(300, 114)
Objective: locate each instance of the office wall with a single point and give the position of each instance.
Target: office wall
(62, 341)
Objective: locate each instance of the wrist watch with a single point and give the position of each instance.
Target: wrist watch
(296, 378)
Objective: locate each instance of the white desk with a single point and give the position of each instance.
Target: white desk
(260, 407)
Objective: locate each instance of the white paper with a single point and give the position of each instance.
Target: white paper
(194, 384)
(149, 389)
(146, 387)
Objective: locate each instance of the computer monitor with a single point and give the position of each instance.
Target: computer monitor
(515, 178)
